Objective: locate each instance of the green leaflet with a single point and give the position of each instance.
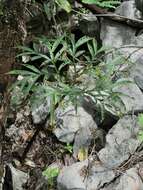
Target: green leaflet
(64, 4)
(140, 122)
(101, 3)
(50, 174)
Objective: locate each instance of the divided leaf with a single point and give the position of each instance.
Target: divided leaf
(64, 4)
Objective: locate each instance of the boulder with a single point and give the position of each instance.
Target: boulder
(72, 177)
(85, 175)
(98, 176)
(121, 141)
(18, 178)
(115, 34)
(130, 180)
(40, 113)
(131, 96)
(128, 9)
(69, 122)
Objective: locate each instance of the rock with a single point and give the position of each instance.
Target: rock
(40, 113)
(98, 176)
(135, 57)
(134, 54)
(114, 34)
(85, 175)
(72, 177)
(132, 97)
(86, 138)
(128, 9)
(82, 140)
(69, 123)
(130, 180)
(19, 178)
(121, 142)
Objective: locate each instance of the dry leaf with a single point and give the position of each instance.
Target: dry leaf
(82, 154)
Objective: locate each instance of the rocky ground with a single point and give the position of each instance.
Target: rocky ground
(88, 154)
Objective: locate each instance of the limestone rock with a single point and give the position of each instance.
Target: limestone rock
(69, 123)
(121, 142)
(72, 177)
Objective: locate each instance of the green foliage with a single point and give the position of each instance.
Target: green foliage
(49, 9)
(51, 174)
(29, 78)
(64, 4)
(140, 122)
(48, 79)
(103, 3)
(69, 148)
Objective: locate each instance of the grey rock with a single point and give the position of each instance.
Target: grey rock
(86, 137)
(121, 142)
(93, 174)
(132, 97)
(19, 178)
(82, 140)
(129, 10)
(72, 177)
(99, 176)
(130, 180)
(134, 54)
(132, 51)
(85, 175)
(114, 34)
(69, 123)
(40, 113)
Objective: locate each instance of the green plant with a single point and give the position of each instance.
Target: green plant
(51, 174)
(140, 122)
(45, 79)
(69, 148)
(103, 3)
(64, 4)
(49, 9)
